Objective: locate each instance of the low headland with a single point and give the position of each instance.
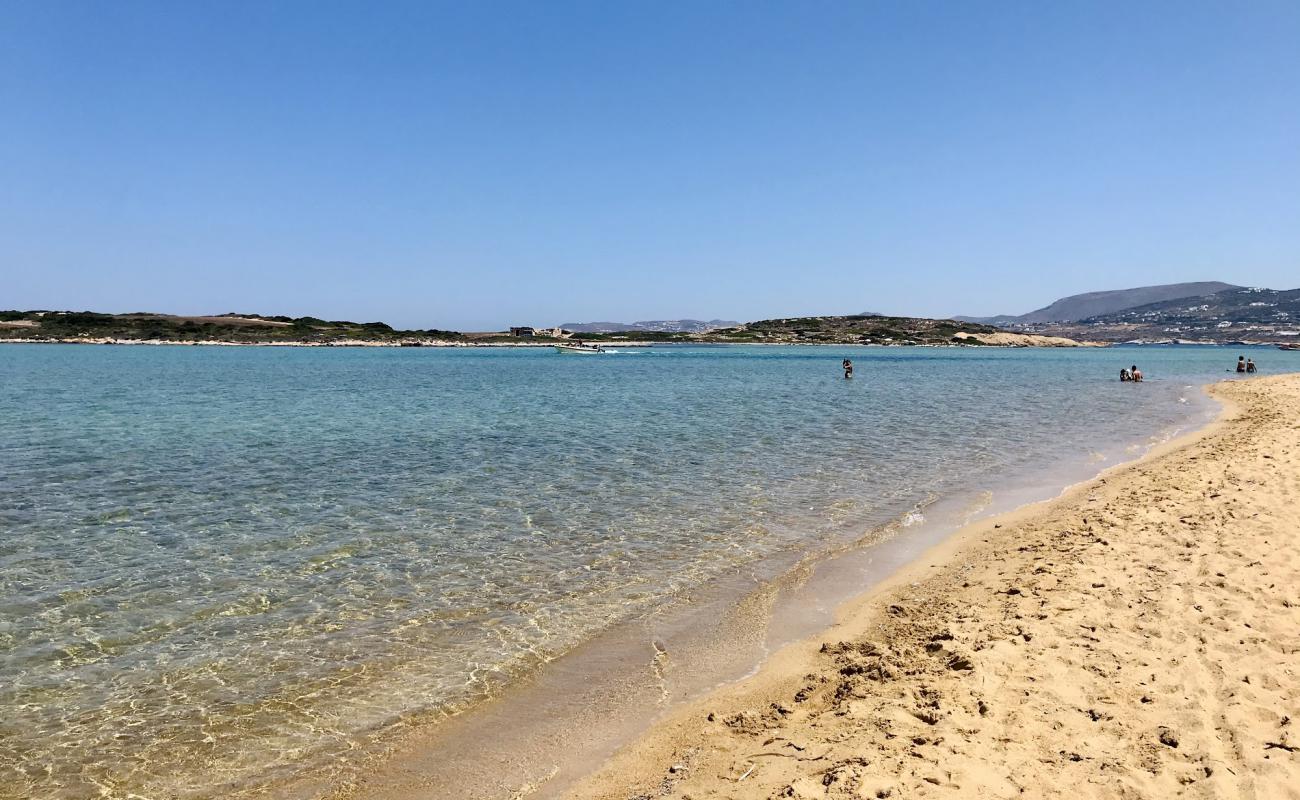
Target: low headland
(86, 327)
(1135, 637)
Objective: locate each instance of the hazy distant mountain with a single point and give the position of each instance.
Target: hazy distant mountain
(661, 325)
(1092, 304)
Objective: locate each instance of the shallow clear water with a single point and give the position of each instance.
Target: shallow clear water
(217, 562)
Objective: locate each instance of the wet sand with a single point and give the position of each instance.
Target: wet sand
(1137, 637)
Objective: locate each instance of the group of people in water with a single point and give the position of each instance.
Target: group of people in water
(1244, 364)
(1126, 374)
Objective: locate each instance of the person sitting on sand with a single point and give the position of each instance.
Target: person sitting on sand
(848, 368)
(1123, 374)
(1135, 374)
(1250, 365)
(1241, 363)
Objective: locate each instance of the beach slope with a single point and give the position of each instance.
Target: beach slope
(1137, 637)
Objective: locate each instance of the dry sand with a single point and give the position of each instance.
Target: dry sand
(1138, 637)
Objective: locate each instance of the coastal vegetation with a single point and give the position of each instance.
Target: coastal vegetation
(235, 328)
(854, 329)
(87, 326)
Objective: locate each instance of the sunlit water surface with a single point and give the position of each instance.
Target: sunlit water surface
(220, 562)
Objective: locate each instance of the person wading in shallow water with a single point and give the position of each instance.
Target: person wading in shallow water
(1241, 363)
(1135, 374)
(1250, 365)
(848, 368)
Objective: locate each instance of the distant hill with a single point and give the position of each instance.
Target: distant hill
(1092, 304)
(651, 325)
(1238, 306)
(1237, 314)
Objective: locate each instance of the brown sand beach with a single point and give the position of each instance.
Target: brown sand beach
(1137, 637)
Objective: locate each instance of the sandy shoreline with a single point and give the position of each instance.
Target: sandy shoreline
(1137, 637)
(546, 731)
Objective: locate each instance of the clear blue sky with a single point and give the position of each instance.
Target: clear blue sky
(481, 164)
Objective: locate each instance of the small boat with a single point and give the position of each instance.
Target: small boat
(579, 349)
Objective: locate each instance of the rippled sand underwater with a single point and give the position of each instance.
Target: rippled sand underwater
(219, 564)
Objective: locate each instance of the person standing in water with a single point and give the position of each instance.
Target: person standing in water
(1241, 363)
(1123, 375)
(1135, 374)
(1250, 365)
(848, 368)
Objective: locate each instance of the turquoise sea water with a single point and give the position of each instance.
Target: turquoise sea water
(217, 563)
